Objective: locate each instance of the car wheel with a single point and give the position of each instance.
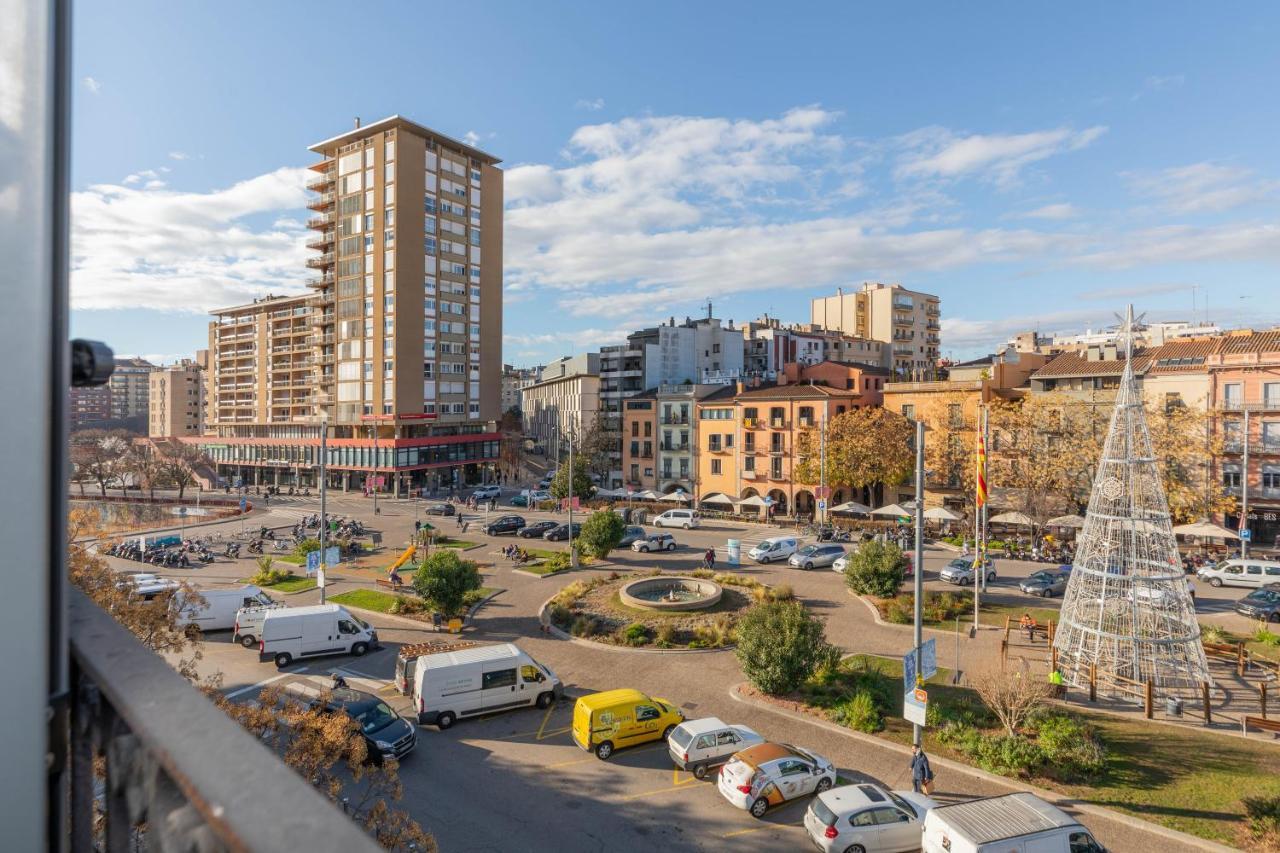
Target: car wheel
(644, 549)
(283, 659)
(991, 577)
(248, 641)
(824, 784)
(759, 807)
(855, 848)
(700, 771)
(359, 649)
(445, 720)
(545, 700)
(808, 566)
(671, 547)
(764, 561)
(604, 749)
(666, 733)
(686, 525)
(1048, 593)
(1215, 582)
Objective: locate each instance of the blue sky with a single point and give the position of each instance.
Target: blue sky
(1033, 166)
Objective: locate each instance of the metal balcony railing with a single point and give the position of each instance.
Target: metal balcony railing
(174, 762)
(326, 260)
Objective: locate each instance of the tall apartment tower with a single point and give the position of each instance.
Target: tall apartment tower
(396, 349)
(177, 400)
(908, 320)
(130, 386)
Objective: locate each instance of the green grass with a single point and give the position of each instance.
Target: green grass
(368, 599)
(292, 559)
(990, 612)
(450, 542)
(293, 584)
(540, 569)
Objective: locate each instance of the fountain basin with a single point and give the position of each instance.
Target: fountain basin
(671, 593)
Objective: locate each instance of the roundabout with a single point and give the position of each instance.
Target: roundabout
(671, 594)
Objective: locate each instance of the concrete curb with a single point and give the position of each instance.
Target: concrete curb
(425, 624)
(875, 614)
(552, 630)
(1012, 784)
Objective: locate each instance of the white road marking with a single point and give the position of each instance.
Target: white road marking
(265, 682)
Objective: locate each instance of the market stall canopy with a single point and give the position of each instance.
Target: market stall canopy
(1018, 518)
(646, 495)
(611, 493)
(1205, 529)
(852, 506)
(718, 498)
(892, 511)
(754, 500)
(1066, 521)
(676, 497)
(940, 513)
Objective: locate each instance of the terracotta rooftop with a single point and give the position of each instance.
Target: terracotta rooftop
(1189, 355)
(796, 391)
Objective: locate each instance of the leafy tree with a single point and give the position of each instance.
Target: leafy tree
(98, 455)
(875, 568)
(780, 644)
(601, 533)
(582, 486)
(598, 445)
(444, 579)
(1185, 445)
(329, 751)
(864, 447)
(952, 420)
(179, 462)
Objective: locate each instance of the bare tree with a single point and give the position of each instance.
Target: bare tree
(598, 444)
(147, 467)
(178, 465)
(1011, 694)
(98, 454)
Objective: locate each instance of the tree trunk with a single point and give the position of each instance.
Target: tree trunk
(181, 489)
(102, 484)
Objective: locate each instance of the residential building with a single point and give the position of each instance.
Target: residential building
(130, 386)
(907, 320)
(397, 351)
(639, 437)
(89, 408)
(177, 400)
(514, 381)
(1174, 372)
(565, 401)
(659, 442)
(771, 345)
(1150, 334)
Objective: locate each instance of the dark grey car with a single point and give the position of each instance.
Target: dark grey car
(631, 534)
(1046, 583)
(1262, 604)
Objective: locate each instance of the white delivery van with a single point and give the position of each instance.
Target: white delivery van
(686, 518)
(773, 549)
(248, 625)
(1014, 823)
(218, 613)
(291, 633)
(480, 680)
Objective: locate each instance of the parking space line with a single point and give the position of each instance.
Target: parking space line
(546, 716)
(765, 827)
(264, 682)
(574, 761)
(676, 781)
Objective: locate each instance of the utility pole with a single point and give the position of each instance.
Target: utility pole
(324, 482)
(573, 551)
(986, 505)
(1244, 487)
(374, 427)
(822, 465)
(916, 730)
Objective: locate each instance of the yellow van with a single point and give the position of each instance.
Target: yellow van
(603, 722)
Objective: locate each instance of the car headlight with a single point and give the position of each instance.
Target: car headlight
(383, 745)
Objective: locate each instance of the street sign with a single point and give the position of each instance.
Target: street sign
(909, 671)
(929, 659)
(244, 503)
(1246, 534)
(915, 707)
(822, 503)
(182, 510)
(332, 555)
(313, 562)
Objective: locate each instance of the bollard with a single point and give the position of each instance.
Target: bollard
(1262, 694)
(1148, 699)
(1004, 653)
(1240, 660)
(1204, 692)
(1093, 682)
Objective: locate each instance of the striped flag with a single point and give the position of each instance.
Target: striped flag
(980, 476)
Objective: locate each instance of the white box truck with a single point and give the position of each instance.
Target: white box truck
(218, 613)
(293, 633)
(480, 680)
(1013, 823)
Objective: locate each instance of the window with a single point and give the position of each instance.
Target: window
(806, 416)
(793, 768)
(1271, 479)
(909, 412)
(727, 738)
(646, 712)
(635, 428)
(715, 466)
(1231, 479)
(529, 673)
(866, 818)
(1231, 395)
(885, 816)
(498, 678)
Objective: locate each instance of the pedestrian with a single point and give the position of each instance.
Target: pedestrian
(964, 552)
(921, 772)
(1028, 624)
(417, 527)
(1191, 590)
(710, 558)
(1059, 687)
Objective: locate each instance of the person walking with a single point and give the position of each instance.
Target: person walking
(709, 558)
(921, 772)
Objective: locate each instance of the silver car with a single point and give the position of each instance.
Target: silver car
(817, 555)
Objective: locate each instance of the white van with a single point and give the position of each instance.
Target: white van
(1241, 572)
(686, 518)
(480, 680)
(248, 626)
(218, 613)
(291, 633)
(1013, 823)
(773, 549)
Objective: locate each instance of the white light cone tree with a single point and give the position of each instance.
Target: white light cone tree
(1127, 609)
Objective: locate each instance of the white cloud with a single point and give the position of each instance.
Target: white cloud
(186, 251)
(92, 84)
(936, 152)
(1053, 211)
(179, 155)
(593, 104)
(471, 138)
(1202, 187)
(1156, 83)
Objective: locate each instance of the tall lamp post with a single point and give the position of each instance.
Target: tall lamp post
(918, 575)
(324, 485)
(573, 551)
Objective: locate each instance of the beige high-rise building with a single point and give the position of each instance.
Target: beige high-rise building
(177, 400)
(129, 388)
(398, 344)
(908, 320)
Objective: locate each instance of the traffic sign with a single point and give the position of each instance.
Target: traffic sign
(915, 707)
(313, 562)
(822, 503)
(1246, 534)
(921, 694)
(244, 503)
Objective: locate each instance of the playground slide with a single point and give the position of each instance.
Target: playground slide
(404, 558)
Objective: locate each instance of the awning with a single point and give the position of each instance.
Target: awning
(1017, 518)
(940, 513)
(676, 497)
(1205, 529)
(893, 511)
(754, 500)
(852, 507)
(1065, 521)
(718, 498)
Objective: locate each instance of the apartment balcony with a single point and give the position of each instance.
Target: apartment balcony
(778, 476)
(323, 340)
(323, 222)
(752, 423)
(325, 319)
(931, 309)
(904, 352)
(903, 320)
(752, 474)
(675, 420)
(133, 718)
(778, 423)
(932, 340)
(779, 451)
(324, 241)
(1270, 404)
(324, 358)
(805, 423)
(328, 259)
(322, 201)
(324, 183)
(933, 325)
(719, 450)
(325, 280)
(904, 303)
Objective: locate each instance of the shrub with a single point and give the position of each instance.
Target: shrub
(780, 644)
(635, 634)
(876, 568)
(1008, 755)
(1262, 817)
(444, 579)
(730, 579)
(571, 593)
(267, 575)
(828, 666)
(944, 710)
(474, 597)
(584, 626)
(1213, 634)
(898, 612)
(559, 615)
(665, 636)
(305, 547)
(406, 605)
(1264, 636)
(783, 592)
(601, 533)
(1071, 747)
(557, 562)
(702, 574)
(859, 712)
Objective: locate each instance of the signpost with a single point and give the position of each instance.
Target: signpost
(313, 562)
(915, 700)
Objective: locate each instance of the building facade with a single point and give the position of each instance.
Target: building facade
(910, 322)
(514, 381)
(397, 349)
(771, 345)
(130, 388)
(177, 400)
(565, 401)
(89, 408)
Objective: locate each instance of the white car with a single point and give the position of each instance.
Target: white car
(1241, 572)
(485, 493)
(654, 542)
(698, 745)
(866, 819)
(686, 518)
(773, 549)
(771, 774)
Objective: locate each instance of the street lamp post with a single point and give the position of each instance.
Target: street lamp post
(918, 575)
(573, 551)
(373, 426)
(324, 485)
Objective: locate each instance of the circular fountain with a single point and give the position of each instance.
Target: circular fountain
(671, 593)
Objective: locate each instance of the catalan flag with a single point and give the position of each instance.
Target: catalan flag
(980, 474)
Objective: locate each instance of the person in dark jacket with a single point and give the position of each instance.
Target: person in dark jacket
(921, 772)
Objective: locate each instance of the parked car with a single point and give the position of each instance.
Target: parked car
(291, 633)
(819, 555)
(771, 774)
(867, 818)
(561, 532)
(773, 549)
(630, 535)
(960, 571)
(1018, 821)
(530, 498)
(439, 509)
(698, 745)
(506, 524)
(654, 542)
(1241, 572)
(604, 722)
(1260, 604)
(1047, 582)
(469, 682)
(537, 529)
(686, 518)
(484, 493)
(387, 734)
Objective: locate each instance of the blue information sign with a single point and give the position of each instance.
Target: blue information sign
(313, 562)
(332, 555)
(928, 665)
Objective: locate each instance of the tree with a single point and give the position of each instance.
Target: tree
(865, 447)
(178, 463)
(601, 533)
(444, 579)
(146, 466)
(951, 442)
(582, 485)
(1011, 694)
(597, 447)
(1183, 441)
(780, 644)
(875, 568)
(98, 455)
(328, 750)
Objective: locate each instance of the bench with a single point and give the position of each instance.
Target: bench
(1259, 723)
(394, 587)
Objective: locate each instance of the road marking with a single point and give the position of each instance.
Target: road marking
(766, 827)
(676, 780)
(575, 761)
(265, 682)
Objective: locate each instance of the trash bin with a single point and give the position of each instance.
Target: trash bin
(626, 515)
(1173, 706)
(639, 516)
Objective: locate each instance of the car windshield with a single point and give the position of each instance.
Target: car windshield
(681, 737)
(1040, 576)
(809, 549)
(1267, 596)
(376, 717)
(959, 564)
(902, 804)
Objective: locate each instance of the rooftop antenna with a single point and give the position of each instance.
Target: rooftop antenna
(357, 122)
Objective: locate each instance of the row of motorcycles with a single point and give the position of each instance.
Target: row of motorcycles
(269, 490)
(172, 556)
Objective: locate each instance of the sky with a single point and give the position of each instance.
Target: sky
(1036, 166)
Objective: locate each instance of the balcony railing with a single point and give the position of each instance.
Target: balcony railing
(675, 420)
(322, 183)
(675, 448)
(321, 222)
(174, 762)
(778, 423)
(325, 280)
(321, 201)
(1236, 404)
(320, 261)
(324, 240)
